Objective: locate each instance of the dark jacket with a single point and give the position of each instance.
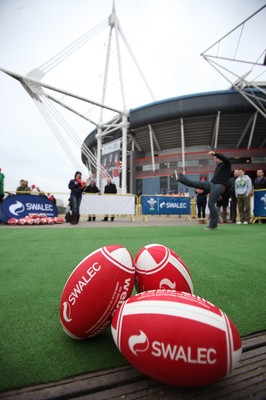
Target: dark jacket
(231, 186)
(260, 183)
(110, 188)
(201, 197)
(75, 188)
(92, 189)
(222, 172)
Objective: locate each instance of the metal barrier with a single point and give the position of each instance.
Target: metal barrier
(125, 205)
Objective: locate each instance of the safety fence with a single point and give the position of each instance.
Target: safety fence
(132, 206)
(128, 205)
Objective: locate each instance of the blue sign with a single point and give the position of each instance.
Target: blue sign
(165, 205)
(260, 203)
(19, 206)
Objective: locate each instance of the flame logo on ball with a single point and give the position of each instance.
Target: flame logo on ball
(66, 312)
(16, 208)
(138, 343)
(167, 284)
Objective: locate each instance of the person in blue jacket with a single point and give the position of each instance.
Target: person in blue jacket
(77, 187)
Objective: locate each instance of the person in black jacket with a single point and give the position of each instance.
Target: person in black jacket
(201, 201)
(110, 188)
(260, 180)
(215, 187)
(92, 188)
(76, 186)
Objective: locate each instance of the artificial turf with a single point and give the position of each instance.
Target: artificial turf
(227, 267)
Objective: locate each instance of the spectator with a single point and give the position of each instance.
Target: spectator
(260, 183)
(35, 190)
(76, 186)
(27, 188)
(52, 198)
(243, 188)
(186, 194)
(92, 188)
(232, 193)
(201, 201)
(260, 180)
(2, 179)
(21, 187)
(110, 188)
(222, 205)
(215, 187)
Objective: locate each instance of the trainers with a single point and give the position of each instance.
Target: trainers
(208, 228)
(239, 222)
(245, 223)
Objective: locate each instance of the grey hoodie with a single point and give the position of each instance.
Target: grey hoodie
(243, 185)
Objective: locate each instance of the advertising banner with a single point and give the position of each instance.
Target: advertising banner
(108, 204)
(111, 160)
(260, 203)
(20, 206)
(165, 205)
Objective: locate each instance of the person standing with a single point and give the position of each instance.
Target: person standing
(260, 180)
(110, 188)
(259, 184)
(2, 180)
(233, 201)
(27, 188)
(92, 188)
(222, 205)
(201, 200)
(22, 187)
(243, 189)
(76, 186)
(215, 187)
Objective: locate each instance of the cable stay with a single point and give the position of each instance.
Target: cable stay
(54, 114)
(53, 62)
(247, 95)
(57, 134)
(35, 88)
(241, 83)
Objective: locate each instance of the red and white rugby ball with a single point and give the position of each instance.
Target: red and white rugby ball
(158, 267)
(176, 338)
(97, 286)
(12, 221)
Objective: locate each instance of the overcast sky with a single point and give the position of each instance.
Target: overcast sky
(166, 38)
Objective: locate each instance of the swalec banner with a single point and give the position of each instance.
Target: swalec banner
(165, 205)
(20, 206)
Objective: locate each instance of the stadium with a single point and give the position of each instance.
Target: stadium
(177, 133)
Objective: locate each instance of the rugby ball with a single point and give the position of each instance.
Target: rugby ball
(12, 221)
(98, 285)
(176, 338)
(158, 267)
(58, 220)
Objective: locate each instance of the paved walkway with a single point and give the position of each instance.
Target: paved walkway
(150, 220)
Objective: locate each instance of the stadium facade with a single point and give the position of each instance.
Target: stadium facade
(177, 133)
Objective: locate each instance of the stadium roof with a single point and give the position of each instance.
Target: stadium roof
(220, 119)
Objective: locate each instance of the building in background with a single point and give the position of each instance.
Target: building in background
(177, 133)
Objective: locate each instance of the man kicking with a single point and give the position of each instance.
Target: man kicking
(215, 187)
